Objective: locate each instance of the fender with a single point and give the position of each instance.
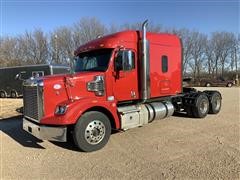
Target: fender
(77, 107)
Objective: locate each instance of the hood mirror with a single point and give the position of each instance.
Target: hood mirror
(71, 63)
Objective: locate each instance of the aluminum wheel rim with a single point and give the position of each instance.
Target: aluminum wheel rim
(217, 103)
(203, 106)
(2, 94)
(95, 132)
(13, 94)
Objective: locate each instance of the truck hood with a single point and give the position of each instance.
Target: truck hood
(74, 76)
(75, 85)
(59, 89)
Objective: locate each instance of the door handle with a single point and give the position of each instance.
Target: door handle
(133, 94)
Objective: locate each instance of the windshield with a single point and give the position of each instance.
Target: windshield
(96, 60)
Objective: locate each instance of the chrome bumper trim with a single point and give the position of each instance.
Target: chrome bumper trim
(35, 120)
(46, 132)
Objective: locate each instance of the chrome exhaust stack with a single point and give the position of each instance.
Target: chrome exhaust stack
(145, 65)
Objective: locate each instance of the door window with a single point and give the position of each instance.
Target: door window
(125, 60)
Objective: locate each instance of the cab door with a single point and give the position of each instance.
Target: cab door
(125, 85)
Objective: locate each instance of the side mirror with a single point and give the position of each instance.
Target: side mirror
(71, 62)
(18, 76)
(118, 64)
(21, 76)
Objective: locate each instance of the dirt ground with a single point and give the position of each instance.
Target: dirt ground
(173, 148)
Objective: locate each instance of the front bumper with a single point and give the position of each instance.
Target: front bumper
(46, 132)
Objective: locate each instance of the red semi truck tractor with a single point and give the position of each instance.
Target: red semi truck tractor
(120, 81)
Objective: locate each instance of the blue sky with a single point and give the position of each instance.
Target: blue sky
(205, 16)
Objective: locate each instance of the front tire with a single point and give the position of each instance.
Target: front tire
(92, 131)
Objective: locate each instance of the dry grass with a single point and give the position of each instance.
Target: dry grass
(9, 106)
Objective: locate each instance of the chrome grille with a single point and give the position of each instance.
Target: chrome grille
(33, 102)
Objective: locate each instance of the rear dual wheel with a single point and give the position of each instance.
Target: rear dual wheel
(200, 108)
(207, 102)
(14, 94)
(3, 94)
(215, 100)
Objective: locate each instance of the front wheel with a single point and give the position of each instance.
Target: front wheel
(92, 131)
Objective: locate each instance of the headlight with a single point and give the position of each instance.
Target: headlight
(61, 109)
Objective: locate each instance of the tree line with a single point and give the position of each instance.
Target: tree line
(213, 55)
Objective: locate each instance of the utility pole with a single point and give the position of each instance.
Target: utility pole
(56, 48)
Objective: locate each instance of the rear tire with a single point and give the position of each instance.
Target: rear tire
(3, 94)
(14, 94)
(201, 108)
(215, 102)
(92, 131)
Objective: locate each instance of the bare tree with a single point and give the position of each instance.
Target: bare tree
(87, 29)
(235, 54)
(34, 47)
(197, 52)
(138, 26)
(222, 43)
(113, 28)
(188, 42)
(42, 46)
(237, 59)
(9, 52)
(218, 53)
(210, 57)
(62, 45)
(227, 41)
(216, 45)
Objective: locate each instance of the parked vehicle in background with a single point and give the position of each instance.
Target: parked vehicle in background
(191, 82)
(11, 78)
(188, 82)
(220, 81)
